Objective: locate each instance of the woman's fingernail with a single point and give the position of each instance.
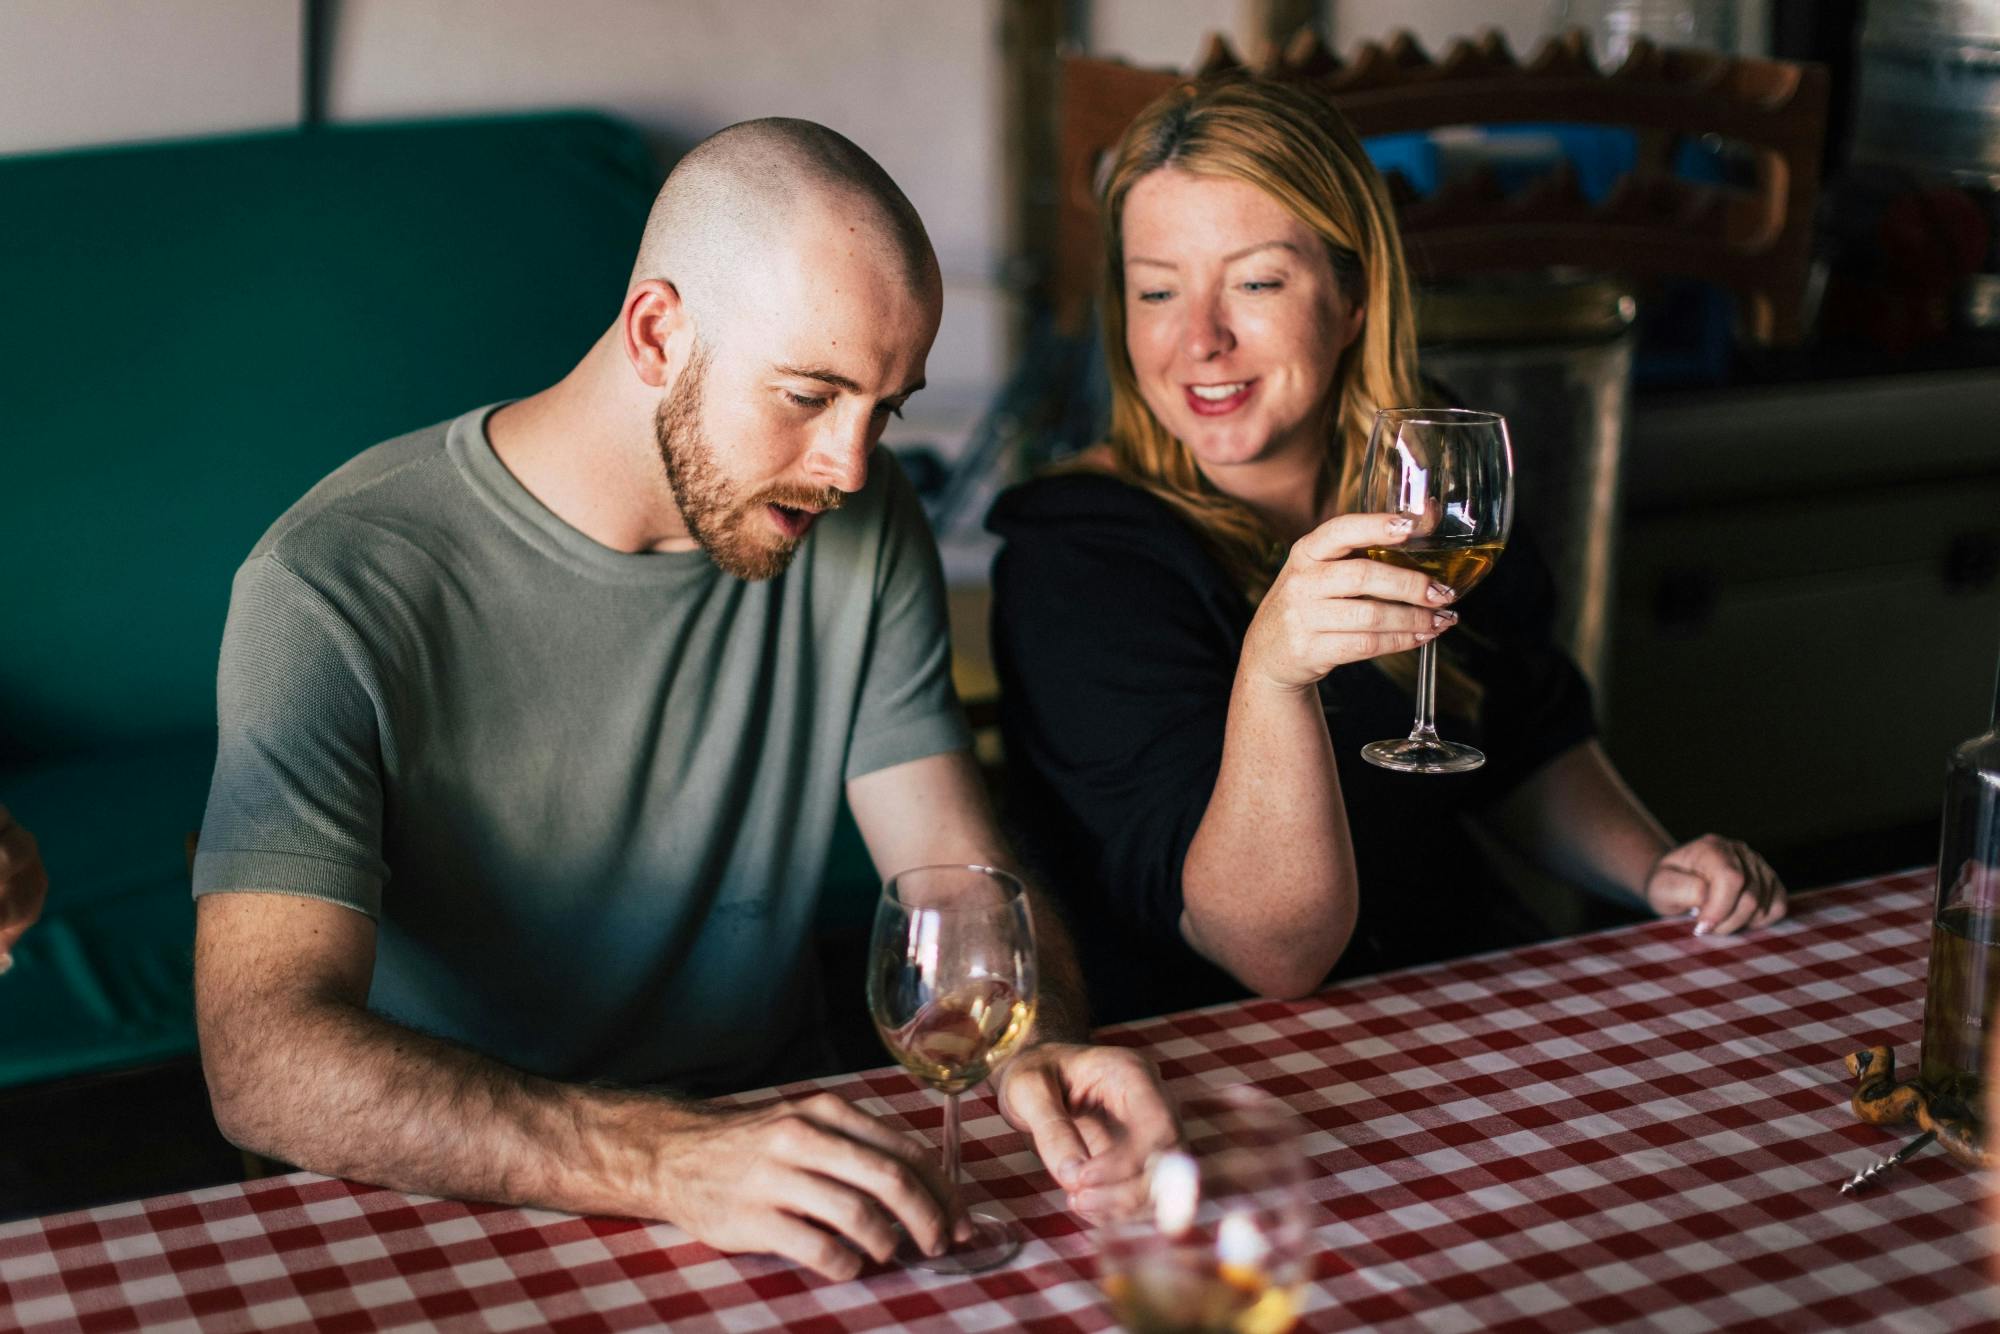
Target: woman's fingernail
(1066, 1174)
(1703, 928)
(1693, 912)
(1441, 619)
(1402, 525)
(1440, 592)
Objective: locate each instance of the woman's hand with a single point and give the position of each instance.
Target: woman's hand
(1329, 606)
(1720, 882)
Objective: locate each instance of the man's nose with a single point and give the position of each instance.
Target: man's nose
(839, 456)
(1207, 335)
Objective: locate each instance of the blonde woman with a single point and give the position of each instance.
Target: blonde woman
(1192, 651)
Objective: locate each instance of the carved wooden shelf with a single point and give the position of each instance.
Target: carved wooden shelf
(1754, 240)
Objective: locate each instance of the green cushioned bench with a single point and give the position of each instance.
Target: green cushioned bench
(197, 332)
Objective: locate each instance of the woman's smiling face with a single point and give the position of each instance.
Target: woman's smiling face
(1234, 318)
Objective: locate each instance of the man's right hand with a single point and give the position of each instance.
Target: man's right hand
(816, 1181)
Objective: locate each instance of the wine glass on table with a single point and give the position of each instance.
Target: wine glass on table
(1451, 470)
(951, 986)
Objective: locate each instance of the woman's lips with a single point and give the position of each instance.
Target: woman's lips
(1215, 400)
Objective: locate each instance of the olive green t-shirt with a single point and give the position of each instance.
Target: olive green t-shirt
(587, 796)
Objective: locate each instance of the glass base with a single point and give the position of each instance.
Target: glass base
(1423, 755)
(993, 1243)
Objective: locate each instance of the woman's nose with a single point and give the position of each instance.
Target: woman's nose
(1207, 335)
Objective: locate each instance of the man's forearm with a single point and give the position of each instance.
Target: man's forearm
(335, 1089)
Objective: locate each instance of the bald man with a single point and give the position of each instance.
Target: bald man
(534, 729)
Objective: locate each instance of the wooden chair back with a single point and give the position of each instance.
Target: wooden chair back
(1754, 241)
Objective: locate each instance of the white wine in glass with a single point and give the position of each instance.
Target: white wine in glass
(1221, 1243)
(1451, 471)
(951, 987)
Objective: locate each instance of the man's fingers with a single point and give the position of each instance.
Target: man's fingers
(849, 1214)
(861, 1154)
(813, 1247)
(1035, 1097)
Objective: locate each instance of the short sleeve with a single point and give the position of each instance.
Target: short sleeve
(295, 805)
(1115, 676)
(908, 707)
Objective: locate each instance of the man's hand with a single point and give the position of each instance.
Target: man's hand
(816, 1181)
(1096, 1114)
(24, 885)
(1723, 884)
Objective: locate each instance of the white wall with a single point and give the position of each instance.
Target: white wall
(75, 72)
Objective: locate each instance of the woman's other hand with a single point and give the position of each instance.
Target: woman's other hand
(1330, 605)
(1719, 882)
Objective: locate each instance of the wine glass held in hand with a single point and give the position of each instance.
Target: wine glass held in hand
(1451, 471)
(951, 986)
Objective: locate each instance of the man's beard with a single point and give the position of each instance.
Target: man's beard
(734, 531)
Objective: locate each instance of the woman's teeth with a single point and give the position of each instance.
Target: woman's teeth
(1215, 393)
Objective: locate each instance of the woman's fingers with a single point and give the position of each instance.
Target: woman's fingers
(1722, 882)
(1345, 534)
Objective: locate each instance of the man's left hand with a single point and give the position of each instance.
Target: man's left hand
(1096, 1114)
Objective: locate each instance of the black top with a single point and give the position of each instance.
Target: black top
(1116, 634)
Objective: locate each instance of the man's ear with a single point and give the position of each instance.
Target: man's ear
(656, 329)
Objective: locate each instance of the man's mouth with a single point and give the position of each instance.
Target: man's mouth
(792, 520)
(1213, 400)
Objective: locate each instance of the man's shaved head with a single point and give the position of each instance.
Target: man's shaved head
(752, 189)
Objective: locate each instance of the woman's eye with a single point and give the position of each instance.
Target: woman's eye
(1263, 285)
(1153, 296)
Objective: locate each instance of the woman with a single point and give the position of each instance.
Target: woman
(1192, 650)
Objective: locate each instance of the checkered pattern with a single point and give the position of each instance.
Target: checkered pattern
(1637, 1128)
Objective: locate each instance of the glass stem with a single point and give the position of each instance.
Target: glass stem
(951, 1154)
(1426, 728)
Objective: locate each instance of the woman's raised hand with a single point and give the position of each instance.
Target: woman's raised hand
(1330, 605)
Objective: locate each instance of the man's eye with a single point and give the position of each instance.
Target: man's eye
(805, 400)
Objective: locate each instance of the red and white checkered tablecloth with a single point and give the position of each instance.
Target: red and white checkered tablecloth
(1638, 1128)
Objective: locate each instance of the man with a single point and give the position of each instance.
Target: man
(534, 727)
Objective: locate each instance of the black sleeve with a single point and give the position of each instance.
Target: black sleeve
(1115, 669)
(1537, 704)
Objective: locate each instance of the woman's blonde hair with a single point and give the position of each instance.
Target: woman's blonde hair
(1296, 148)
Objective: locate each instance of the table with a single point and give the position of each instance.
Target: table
(1639, 1127)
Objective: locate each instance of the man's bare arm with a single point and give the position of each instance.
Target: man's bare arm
(300, 1070)
(1095, 1113)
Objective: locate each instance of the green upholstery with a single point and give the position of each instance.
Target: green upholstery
(200, 331)
(197, 332)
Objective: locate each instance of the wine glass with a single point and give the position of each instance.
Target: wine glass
(1452, 471)
(1220, 1245)
(951, 986)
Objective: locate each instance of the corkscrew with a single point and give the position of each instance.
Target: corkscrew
(1876, 1169)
